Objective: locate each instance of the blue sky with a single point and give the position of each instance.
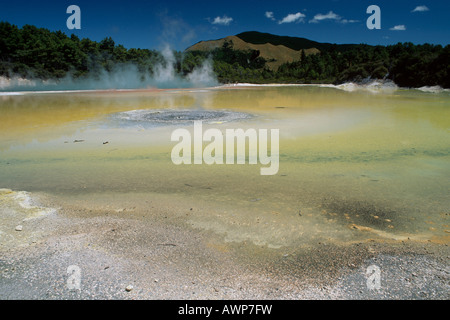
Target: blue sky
(153, 24)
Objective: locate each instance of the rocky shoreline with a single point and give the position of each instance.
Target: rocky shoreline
(153, 254)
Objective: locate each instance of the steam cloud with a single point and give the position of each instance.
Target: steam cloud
(122, 76)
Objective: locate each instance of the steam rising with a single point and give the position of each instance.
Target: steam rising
(122, 76)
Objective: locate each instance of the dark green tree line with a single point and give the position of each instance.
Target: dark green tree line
(33, 52)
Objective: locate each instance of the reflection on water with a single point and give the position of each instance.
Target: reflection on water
(353, 165)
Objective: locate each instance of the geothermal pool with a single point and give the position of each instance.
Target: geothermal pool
(353, 165)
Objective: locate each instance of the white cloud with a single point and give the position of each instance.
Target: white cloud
(329, 16)
(421, 9)
(293, 17)
(398, 28)
(224, 21)
(344, 21)
(269, 15)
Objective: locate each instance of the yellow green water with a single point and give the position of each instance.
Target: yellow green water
(353, 165)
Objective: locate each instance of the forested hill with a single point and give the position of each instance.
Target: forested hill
(32, 52)
(294, 43)
(406, 64)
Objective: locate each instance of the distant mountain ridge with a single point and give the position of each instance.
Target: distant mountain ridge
(277, 50)
(294, 43)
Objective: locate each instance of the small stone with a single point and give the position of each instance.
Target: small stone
(129, 288)
(19, 228)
